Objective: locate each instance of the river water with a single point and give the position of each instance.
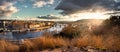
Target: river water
(29, 34)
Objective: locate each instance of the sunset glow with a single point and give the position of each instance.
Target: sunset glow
(91, 15)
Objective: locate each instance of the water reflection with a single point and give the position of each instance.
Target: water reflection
(21, 35)
(29, 34)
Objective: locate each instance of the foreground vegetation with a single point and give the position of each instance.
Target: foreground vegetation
(49, 42)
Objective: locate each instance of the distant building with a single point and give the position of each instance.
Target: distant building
(22, 25)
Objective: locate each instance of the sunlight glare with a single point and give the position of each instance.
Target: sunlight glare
(90, 15)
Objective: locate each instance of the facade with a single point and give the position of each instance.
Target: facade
(22, 25)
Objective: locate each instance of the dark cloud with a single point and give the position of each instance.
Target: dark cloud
(118, 6)
(71, 6)
(3, 1)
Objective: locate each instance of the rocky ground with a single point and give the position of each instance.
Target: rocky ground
(76, 49)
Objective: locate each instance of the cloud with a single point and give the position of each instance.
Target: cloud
(118, 6)
(41, 3)
(21, 0)
(7, 8)
(72, 6)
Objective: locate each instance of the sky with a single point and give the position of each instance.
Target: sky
(28, 8)
(73, 9)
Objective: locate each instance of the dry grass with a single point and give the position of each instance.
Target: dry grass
(27, 46)
(97, 41)
(41, 43)
(81, 42)
(37, 44)
(8, 47)
(49, 42)
(110, 42)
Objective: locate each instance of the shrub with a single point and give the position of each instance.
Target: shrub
(69, 32)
